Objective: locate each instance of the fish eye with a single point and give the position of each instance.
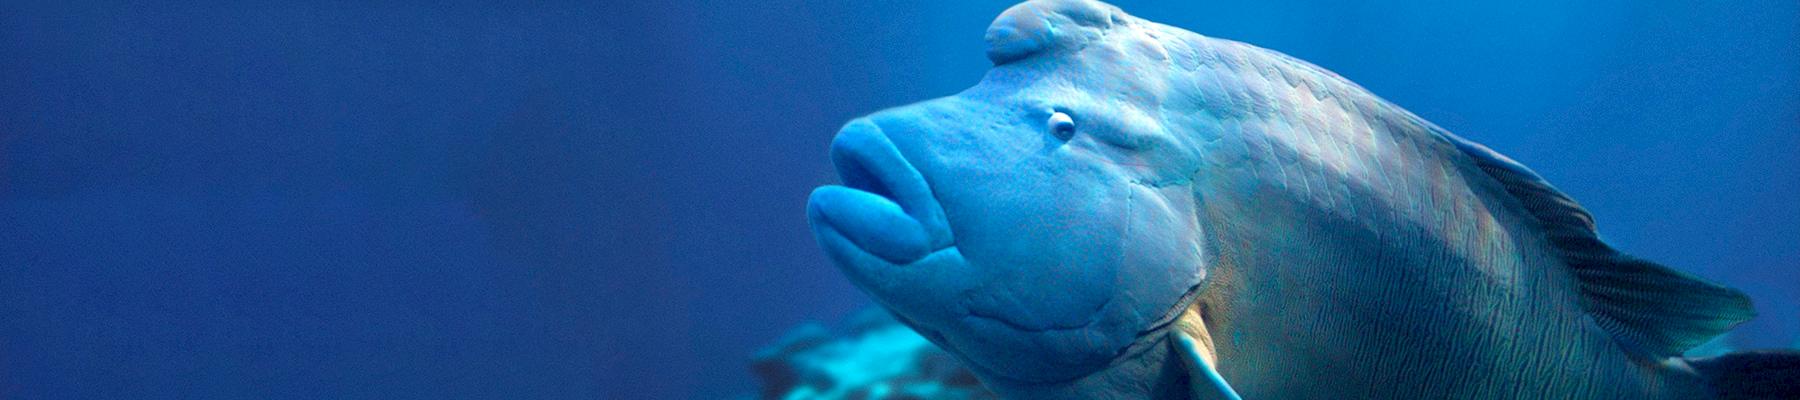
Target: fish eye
(1061, 125)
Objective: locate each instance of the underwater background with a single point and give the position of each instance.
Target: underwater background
(606, 199)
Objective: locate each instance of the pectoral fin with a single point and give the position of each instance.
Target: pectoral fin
(1203, 380)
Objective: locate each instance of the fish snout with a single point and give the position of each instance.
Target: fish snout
(884, 206)
(883, 228)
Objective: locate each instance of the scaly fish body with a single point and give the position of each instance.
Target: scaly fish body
(1114, 181)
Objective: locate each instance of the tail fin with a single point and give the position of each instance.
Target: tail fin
(1746, 375)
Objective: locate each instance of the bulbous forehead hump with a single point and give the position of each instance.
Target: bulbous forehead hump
(1046, 26)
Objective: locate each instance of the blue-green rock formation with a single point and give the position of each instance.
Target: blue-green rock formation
(876, 358)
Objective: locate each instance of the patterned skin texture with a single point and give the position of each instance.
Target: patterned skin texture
(1336, 245)
(1373, 258)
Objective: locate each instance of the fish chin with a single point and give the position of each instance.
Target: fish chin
(1054, 355)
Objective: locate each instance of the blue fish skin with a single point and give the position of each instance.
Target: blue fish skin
(1049, 225)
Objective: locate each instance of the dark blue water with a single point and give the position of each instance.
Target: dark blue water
(340, 200)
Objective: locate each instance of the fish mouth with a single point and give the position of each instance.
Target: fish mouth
(887, 232)
(884, 206)
(885, 227)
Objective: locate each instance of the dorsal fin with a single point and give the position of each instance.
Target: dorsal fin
(1647, 307)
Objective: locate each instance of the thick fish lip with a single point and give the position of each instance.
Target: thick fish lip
(884, 229)
(870, 223)
(887, 231)
(884, 207)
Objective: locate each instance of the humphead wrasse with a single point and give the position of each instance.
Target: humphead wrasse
(1122, 210)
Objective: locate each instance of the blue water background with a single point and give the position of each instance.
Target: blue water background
(605, 200)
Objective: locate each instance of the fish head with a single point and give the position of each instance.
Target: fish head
(1040, 223)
